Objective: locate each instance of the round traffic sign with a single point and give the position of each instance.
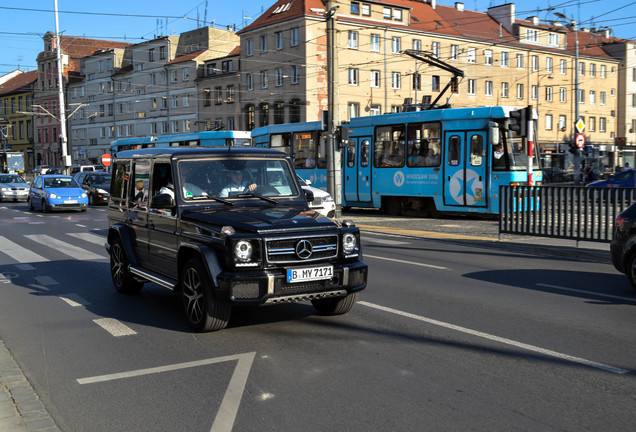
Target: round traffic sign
(106, 159)
(580, 141)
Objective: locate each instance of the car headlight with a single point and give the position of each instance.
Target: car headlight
(84, 195)
(52, 195)
(4, 189)
(349, 242)
(243, 250)
(328, 198)
(101, 191)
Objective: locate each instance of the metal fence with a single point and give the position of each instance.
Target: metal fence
(569, 212)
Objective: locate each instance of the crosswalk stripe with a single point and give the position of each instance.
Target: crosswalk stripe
(18, 252)
(89, 237)
(114, 327)
(64, 247)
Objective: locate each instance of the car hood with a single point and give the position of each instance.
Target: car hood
(14, 185)
(105, 186)
(599, 183)
(65, 191)
(261, 219)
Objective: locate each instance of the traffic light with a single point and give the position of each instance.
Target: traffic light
(519, 122)
(574, 149)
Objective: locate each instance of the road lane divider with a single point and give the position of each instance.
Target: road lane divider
(517, 344)
(406, 262)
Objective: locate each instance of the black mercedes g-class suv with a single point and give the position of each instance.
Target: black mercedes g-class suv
(225, 227)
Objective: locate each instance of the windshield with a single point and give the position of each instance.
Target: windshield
(11, 179)
(512, 154)
(100, 178)
(60, 182)
(235, 178)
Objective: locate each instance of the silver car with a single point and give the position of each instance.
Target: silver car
(13, 188)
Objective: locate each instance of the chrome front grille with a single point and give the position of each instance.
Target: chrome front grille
(287, 250)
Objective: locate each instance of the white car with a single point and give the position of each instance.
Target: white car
(323, 202)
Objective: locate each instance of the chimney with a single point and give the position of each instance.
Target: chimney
(504, 15)
(433, 3)
(534, 20)
(459, 6)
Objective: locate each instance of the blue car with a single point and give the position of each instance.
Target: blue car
(616, 185)
(56, 192)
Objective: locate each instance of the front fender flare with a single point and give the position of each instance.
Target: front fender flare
(123, 233)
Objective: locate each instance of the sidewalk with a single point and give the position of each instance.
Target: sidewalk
(20, 407)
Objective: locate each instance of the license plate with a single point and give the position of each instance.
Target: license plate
(70, 202)
(309, 274)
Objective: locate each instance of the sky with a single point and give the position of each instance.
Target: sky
(24, 23)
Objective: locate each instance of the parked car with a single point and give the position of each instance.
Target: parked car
(50, 192)
(623, 244)
(74, 169)
(40, 169)
(615, 186)
(13, 188)
(323, 203)
(226, 227)
(96, 185)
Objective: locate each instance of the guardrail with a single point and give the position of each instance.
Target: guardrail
(569, 212)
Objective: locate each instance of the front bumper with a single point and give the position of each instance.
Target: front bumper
(14, 195)
(271, 286)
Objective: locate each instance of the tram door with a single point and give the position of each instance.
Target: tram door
(465, 179)
(357, 171)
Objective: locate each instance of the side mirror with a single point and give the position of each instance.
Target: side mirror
(162, 202)
(308, 182)
(309, 195)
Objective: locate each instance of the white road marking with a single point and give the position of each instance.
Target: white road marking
(406, 262)
(384, 241)
(596, 294)
(18, 252)
(506, 341)
(64, 248)
(114, 327)
(226, 415)
(74, 300)
(89, 237)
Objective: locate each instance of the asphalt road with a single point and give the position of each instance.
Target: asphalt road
(451, 334)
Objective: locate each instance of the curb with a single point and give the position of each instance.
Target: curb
(20, 407)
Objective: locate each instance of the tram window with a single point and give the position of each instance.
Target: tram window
(476, 150)
(304, 147)
(389, 147)
(281, 142)
(454, 150)
(351, 155)
(321, 160)
(364, 153)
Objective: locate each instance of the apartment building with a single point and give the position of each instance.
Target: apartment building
(16, 134)
(45, 106)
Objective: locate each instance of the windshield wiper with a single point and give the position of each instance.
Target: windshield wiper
(264, 198)
(205, 197)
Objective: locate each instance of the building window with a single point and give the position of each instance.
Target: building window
(353, 39)
(504, 59)
(295, 38)
(396, 80)
(250, 82)
(534, 90)
(591, 124)
(548, 64)
(603, 100)
(532, 35)
(535, 63)
(562, 121)
(417, 81)
(488, 88)
(563, 94)
(263, 40)
(218, 95)
(366, 9)
(186, 74)
(279, 112)
(454, 52)
(249, 117)
(263, 114)
(264, 80)
(471, 56)
(229, 93)
(581, 69)
(553, 39)
(353, 76)
(563, 67)
(375, 78)
(488, 57)
(279, 77)
(387, 13)
(504, 89)
(417, 44)
(397, 14)
(355, 8)
(472, 87)
(435, 83)
(249, 47)
(279, 40)
(353, 110)
(162, 53)
(593, 71)
(151, 54)
(435, 48)
(548, 122)
(375, 110)
(581, 98)
(601, 124)
(375, 43)
(603, 71)
(396, 44)
(521, 63)
(295, 74)
(175, 101)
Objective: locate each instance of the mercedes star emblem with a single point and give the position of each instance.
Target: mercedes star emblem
(304, 249)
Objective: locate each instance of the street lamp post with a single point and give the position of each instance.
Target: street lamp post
(577, 155)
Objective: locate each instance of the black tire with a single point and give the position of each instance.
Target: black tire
(45, 207)
(91, 201)
(630, 270)
(30, 204)
(123, 280)
(335, 306)
(203, 309)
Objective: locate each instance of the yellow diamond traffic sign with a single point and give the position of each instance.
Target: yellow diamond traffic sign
(580, 125)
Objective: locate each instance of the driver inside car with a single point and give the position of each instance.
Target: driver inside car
(236, 184)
